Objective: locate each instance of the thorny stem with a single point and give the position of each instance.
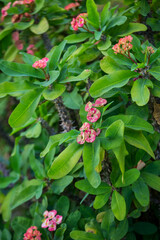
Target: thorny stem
(129, 56)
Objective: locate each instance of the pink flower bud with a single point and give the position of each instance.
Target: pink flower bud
(4, 11)
(85, 126)
(88, 106)
(100, 102)
(71, 6)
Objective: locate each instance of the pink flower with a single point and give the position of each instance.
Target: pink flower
(30, 49)
(52, 226)
(41, 63)
(4, 11)
(85, 126)
(17, 3)
(32, 234)
(100, 102)
(81, 138)
(45, 224)
(28, 1)
(80, 22)
(90, 135)
(17, 18)
(124, 45)
(19, 44)
(98, 131)
(71, 6)
(58, 219)
(88, 106)
(45, 214)
(15, 36)
(93, 115)
(150, 50)
(52, 214)
(74, 24)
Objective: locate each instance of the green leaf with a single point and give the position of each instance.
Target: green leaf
(11, 53)
(65, 161)
(105, 14)
(108, 82)
(55, 54)
(120, 231)
(137, 139)
(85, 186)
(153, 23)
(84, 75)
(41, 27)
(109, 65)
(6, 235)
(130, 121)
(15, 89)
(5, 32)
(28, 58)
(91, 155)
(115, 134)
(55, 92)
(77, 235)
(20, 225)
(62, 206)
(93, 15)
(130, 177)
(118, 206)
(23, 25)
(141, 192)
(15, 158)
(102, 46)
(116, 21)
(153, 167)
(17, 69)
(101, 200)
(155, 72)
(133, 27)
(36, 166)
(154, 56)
(5, 181)
(53, 142)
(76, 38)
(152, 180)
(33, 132)
(72, 100)
(59, 185)
(144, 228)
(140, 92)
(59, 234)
(39, 5)
(53, 76)
(25, 109)
(156, 88)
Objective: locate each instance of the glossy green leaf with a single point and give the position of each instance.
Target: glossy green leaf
(73, 100)
(144, 228)
(137, 139)
(41, 27)
(5, 32)
(85, 186)
(59, 185)
(15, 158)
(18, 69)
(108, 82)
(140, 92)
(5, 181)
(118, 205)
(152, 180)
(53, 76)
(76, 38)
(91, 160)
(25, 109)
(153, 167)
(36, 166)
(109, 65)
(105, 14)
(116, 21)
(84, 75)
(141, 192)
(155, 72)
(132, 28)
(62, 206)
(39, 5)
(130, 177)
(15, 89)
(54, 55)
(76, 235)
(120, 231)
(154, 56)
(28, 58)
(33, 132)
(6, 235)
(11, 53)
(59, 234)
(65, 161)
(115, 134)
(130, 121)
(93, 15)
(55, 92)
(53, 142)
(23, 25)
(101, 200)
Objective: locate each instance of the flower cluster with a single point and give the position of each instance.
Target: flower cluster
(79, 21)
(150, 50)
(124, 45)
(18, 43)
(88, 134)
(15, 17)
(32, 234)
(71, 6)
(51, 220)
(42, 63)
